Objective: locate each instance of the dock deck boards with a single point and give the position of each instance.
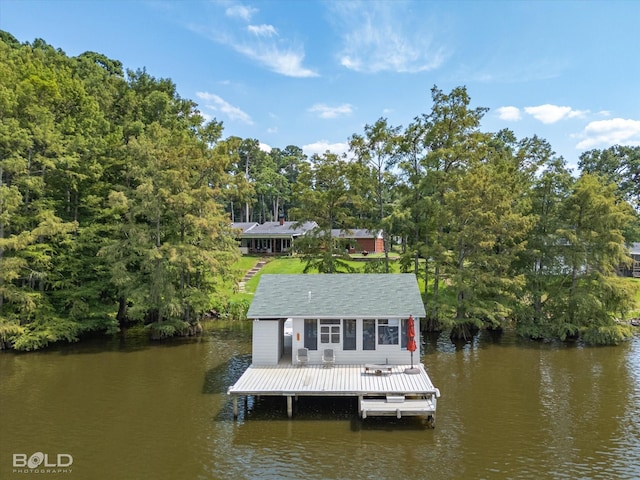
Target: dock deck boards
(390, 394)
(381, 407)
(339, 380)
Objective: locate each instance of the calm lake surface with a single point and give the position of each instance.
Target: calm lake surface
(128, 409)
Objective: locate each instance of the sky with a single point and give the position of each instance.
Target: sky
(313, 73)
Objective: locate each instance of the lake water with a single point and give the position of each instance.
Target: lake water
(125, 408)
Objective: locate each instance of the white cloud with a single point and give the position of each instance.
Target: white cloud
(265, 147)
(325, 111)
(218, 104)
(263, 30)
(606, 133)
(284, 61)
(385, 36)
(322, 146)
(548, 113)
(260, 43)
(241, 11)
(509, 113)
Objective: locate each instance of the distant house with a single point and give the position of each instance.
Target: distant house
(361, 240)
(271, 238)
(244, 227)
(362, 317)
(632, 270)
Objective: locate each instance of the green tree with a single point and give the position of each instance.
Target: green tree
(287, 168)
(593, 251)
(174, 244)
(376, 152)
(450, 133)
(239, 191)
(93, 162)
(323, 192)
(414, 205)
(542, 262)
(619, 165)
(486, 230)
(249, 154)
(44, 108)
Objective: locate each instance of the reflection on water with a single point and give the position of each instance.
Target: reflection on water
(125, 408)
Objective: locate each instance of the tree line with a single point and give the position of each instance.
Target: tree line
(116, 197)
(112, 194)
(500, 230)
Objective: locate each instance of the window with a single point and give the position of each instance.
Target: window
(349, 335)
(329, 331)
(388, 333)
(368, 334)
(311, 334)
(403, 335)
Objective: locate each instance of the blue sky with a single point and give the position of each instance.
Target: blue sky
(313, 73)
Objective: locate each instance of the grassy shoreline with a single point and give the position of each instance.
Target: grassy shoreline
(294, 265)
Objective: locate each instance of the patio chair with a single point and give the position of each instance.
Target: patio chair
(328, 357)
(302, 357)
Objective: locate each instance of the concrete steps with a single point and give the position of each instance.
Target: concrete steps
(255, 269)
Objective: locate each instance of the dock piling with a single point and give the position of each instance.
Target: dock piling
(289, 406)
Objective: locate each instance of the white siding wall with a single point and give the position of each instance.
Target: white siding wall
(392, 354)
(267, 342)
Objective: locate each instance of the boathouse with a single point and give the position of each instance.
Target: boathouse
(340, 335)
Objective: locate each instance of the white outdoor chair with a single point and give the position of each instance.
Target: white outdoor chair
(302, 357)
(328, 357)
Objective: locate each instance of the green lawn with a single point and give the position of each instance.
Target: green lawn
(392, 255)
(283, 265)
(245, 263)
(276, 265)
(636, 283)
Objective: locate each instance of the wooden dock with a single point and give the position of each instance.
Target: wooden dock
(387, 393)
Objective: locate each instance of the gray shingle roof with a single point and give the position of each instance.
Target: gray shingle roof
(274, 229)
(244, 226)
(337, 296)
(355, 233)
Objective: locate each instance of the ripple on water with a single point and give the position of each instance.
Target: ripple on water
(509, 409)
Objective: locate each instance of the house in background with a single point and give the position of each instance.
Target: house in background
(361, 240)
(633, 269)
(244, 227)
(271, 238)
(339, 335)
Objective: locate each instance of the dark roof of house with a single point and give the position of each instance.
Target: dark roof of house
(359, 295)
(355, 233)
(274, 229)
